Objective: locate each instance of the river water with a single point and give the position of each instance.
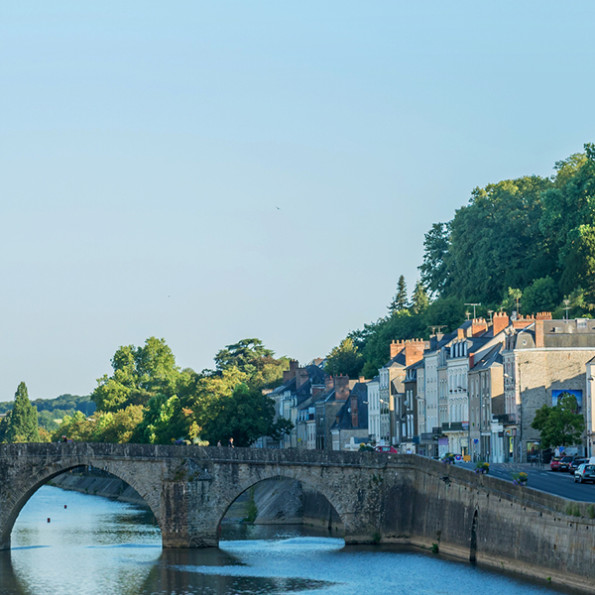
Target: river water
(94, 546)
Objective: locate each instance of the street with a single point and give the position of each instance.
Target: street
(541, 478)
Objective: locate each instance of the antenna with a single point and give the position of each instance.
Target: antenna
(477, 304)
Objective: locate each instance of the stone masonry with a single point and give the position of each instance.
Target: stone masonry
(403, 499)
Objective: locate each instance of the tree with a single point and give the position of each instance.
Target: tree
(20, 425)
(76, 427)
(560, 425)
(434, 270)
(252, 358)
(344, 359)
(245, 416)
(400, 300)
(139, 373)
(541, 296)
(420, 300)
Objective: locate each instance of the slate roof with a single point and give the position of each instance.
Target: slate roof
(344, 421)
(491, 357)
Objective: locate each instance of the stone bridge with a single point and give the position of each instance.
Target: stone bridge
(379, 498)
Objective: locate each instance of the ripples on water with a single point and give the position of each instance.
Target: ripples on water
(99, 547)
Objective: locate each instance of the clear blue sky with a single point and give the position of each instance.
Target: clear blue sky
(210, 171)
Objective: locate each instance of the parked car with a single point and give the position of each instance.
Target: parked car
(576, 463)
(585, 472)
(555, 464)
(565, 463)
(386, 449)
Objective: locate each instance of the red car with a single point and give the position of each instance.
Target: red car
(386, 449)
(555, 464)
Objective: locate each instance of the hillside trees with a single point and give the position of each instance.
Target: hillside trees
(532, 233)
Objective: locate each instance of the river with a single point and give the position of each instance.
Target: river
(95, 546)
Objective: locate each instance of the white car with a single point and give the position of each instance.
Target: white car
(585, 472)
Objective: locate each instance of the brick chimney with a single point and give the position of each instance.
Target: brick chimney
(500, 322)
(460, 334)
(396, 347)
(329, 382)
(301, 377)
(341, 384)
(478, 327)
(289, 374)
(523, 322)
(543, 316)
(414, 350)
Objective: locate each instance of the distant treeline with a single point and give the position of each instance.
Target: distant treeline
(52, 411)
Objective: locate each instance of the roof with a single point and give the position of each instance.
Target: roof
(493, 356)
(344, 419)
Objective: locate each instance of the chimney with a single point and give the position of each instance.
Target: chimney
(395, 348)
(539, 341)
(478, 327)
(362, 379)
(500, 322)
(523, 322)
(460, 334)
(543, 316)
(354, 413)
(317, 390)
(301, 377)
(289, 374)
(341, 384)
(414, 351)
(329, 382)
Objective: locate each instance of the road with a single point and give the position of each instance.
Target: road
(541, 478)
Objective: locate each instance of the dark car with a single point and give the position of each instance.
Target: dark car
(576, 463)
(565, 463)
(584, 473)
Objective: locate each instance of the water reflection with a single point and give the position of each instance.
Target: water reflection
(99, 547)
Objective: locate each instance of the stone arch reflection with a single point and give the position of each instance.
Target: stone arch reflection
(84, 480)
(280, 501)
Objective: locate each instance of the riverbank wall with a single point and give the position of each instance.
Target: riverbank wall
(497, 524)
(96, 484)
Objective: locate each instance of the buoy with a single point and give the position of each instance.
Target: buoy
(65, 505)
(49, 520)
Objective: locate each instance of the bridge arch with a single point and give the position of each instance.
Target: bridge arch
(25, 486)
(331, 519)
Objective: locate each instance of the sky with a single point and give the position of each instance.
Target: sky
(205, 172)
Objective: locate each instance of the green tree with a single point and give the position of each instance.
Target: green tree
(344, 359)
(434, 269)
(139, 373)
(541, 296)
(560, 425)
(245, 416)
(76, 427)
(399, 302)
(419, 300)
(20, 425)
(568, 220)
